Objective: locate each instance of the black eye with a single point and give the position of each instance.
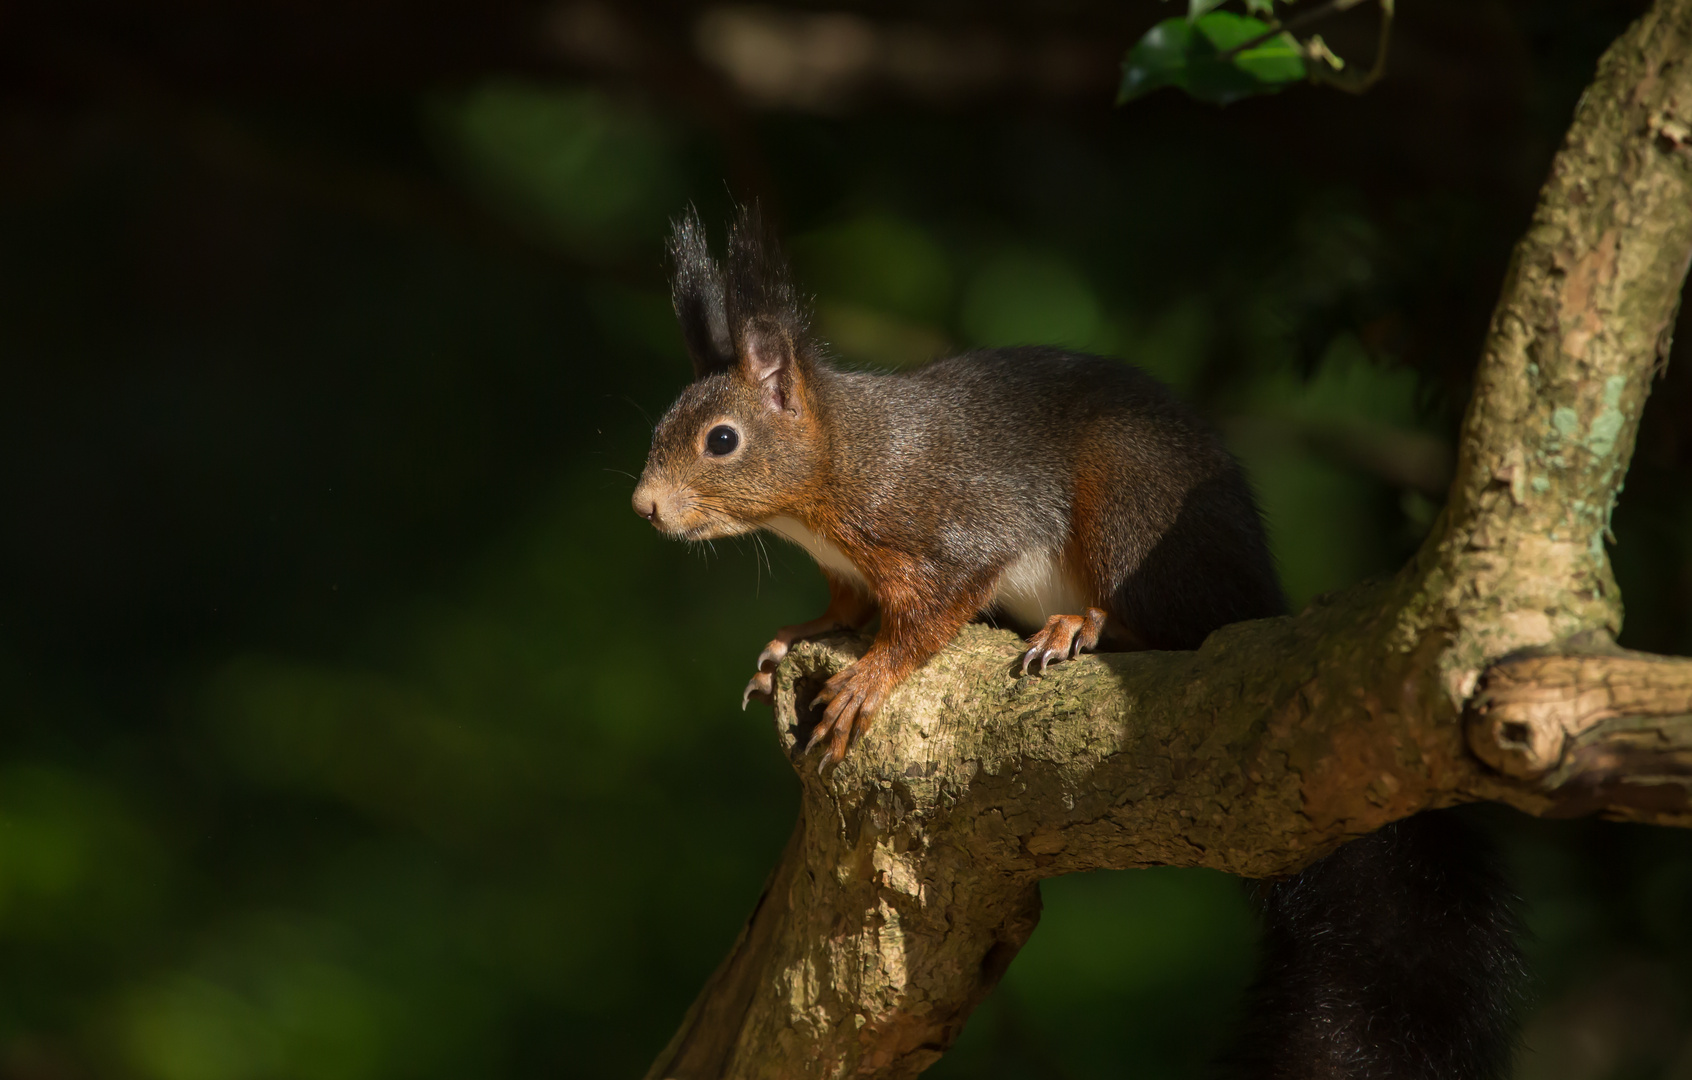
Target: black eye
(722, 440)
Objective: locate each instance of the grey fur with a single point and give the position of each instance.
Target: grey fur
(978, 454)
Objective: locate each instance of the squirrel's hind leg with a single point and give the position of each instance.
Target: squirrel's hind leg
(1065, 637)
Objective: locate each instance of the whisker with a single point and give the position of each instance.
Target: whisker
(738, 546)
(640, 409)
(764, 551)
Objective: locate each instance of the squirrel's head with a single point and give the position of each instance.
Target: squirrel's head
(742, 442)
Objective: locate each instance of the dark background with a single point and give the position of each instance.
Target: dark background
(351, 725)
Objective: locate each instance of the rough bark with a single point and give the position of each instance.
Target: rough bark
(912, 876)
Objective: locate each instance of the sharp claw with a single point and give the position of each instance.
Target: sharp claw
(771, 657)
(1028, 657)
(758, 686)
(816, 736)
(1047, 657)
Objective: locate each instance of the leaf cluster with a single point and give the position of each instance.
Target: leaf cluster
(1220, 56)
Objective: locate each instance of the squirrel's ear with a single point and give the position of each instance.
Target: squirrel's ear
(696, 291)
(769, 360)
(765, 315)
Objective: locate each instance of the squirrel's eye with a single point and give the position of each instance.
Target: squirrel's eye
(722, 440)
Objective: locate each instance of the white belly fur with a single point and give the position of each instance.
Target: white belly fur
(828, 556)
(1035, 587)
(1031, 590)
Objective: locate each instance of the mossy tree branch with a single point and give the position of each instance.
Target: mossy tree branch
(911, 879)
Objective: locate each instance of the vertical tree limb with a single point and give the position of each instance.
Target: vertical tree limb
(1581, 329)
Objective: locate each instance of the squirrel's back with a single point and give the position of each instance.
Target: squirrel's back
(1001, 455)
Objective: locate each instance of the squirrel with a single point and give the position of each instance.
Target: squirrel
(1077, 498)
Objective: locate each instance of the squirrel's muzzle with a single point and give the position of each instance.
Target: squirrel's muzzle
(646, 504)
(674, 511)
(662, 504)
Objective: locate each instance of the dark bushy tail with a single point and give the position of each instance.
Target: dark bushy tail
(1394, 958)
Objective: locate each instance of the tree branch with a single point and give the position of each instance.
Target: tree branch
(1580, 331)
(1611, 730)
(912, 878)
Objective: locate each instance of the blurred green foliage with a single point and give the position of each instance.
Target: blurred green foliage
(597, 177)
(1018, 297)
(1212, 57)
(355, 727)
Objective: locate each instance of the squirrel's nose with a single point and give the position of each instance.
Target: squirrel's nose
(646, 505)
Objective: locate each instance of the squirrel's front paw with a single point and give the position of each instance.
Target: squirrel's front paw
(772, 656)
(852, 697)
(761, 687)
(1064, 637)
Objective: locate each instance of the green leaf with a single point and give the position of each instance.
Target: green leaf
(1157, 60)
(1198, 9)
(1190, 56)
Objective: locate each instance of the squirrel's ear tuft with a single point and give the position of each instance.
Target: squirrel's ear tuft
(766, 318)
(696, 291)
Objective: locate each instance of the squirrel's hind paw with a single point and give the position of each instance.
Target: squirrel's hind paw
(1064, 637)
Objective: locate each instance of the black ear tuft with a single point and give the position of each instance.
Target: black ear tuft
(760, 288)
(696, 291)
(766, 319)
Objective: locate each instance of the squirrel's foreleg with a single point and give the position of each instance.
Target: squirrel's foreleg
(915, 624)
(849, 608)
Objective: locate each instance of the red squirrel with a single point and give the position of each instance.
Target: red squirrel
(1078, 498)
(1073, 495)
